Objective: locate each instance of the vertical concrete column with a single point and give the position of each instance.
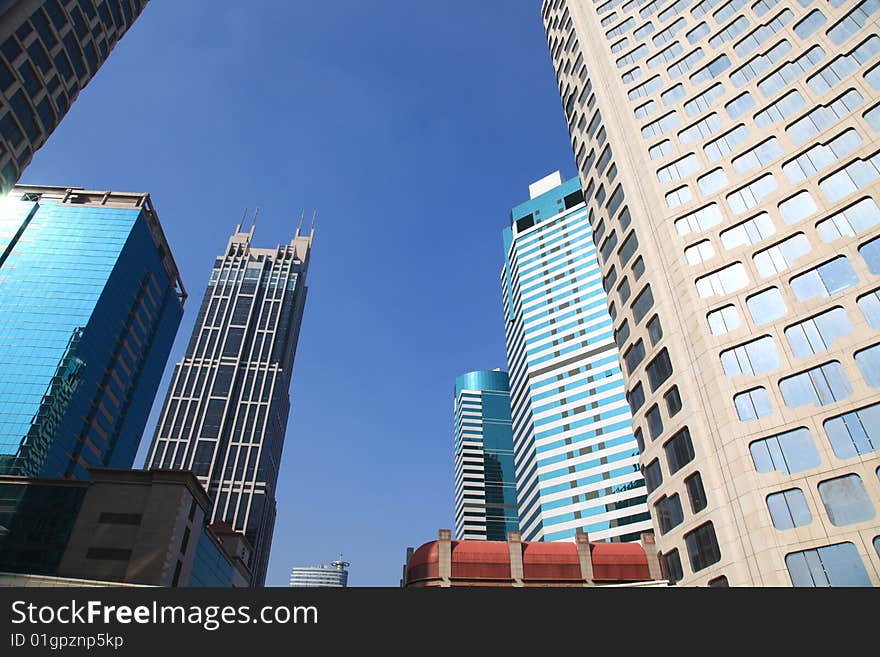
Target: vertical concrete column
(652, 555)
(444, 557)
(585, 557)
(514, 546)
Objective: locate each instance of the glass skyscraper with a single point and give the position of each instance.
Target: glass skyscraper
(485, 482)
(728, 150)
(90, 301)
(49, 51)
(225, 413)
(576, 457)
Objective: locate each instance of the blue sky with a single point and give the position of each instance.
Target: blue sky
(412, 128)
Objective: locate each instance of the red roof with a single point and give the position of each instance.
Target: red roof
(546, 562)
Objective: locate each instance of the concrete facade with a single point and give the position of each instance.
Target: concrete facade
(729, 155)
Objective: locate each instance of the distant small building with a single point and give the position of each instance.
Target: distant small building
(514, 563)
(122, 527)
(334, 576)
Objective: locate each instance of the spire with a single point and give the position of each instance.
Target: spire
(254, 221)
(302, 218)
(243, 217)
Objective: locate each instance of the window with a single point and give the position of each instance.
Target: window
(825, 280)
(740, 105)
(628, 248)
(870, 307)
(870, 251)
(752, 194)
(702, 547)
(782, 255)
(762, 33)
(711, 70)
(819, 386)
(624, 290)
(789, 509)
(662, 149)
(722, 282)
(759, 64)
(833, 565)
(670, 566)
(726, 143)
(723, 320)
(668, 512)
(753, 405)
(701, 129)
(685, 64)
(699, 252)
(634, 356)
(653, 475)
(655, 330)
(766, 306)
(784, 75)
(646, 88)
(855, 433)
(798, 207)
(643, 303)
(638, 267)
(712, 181)
(655, 421)
(751, 231)
(789, 453)
(636, 397)
(849, 222)
(699, 220)
(678, 196)
(697, 33)
(673, 95)
(660, 126)
(673, 401)
(846, 500)
(758, 156)
(633, 56)
(696, 492)
(704, 101)
(817, 334)
(678, 169)
(869, 363)
(679, 450)
(753, 358)
(659, 370)
(666, 55)
(809, 24)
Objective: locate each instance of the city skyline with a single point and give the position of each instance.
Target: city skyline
(368, 467)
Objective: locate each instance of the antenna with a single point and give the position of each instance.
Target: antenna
(254, 220)
(243, 216)
(340, 565)
(314, 220)
(302, 218)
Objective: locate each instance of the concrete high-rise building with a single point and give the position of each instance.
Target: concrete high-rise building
(575, 455)
(729, 155)
(333, 577)
(485, 482)
(225, 413)
(90, 301)
(49, 51)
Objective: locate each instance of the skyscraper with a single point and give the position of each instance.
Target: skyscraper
(576, 458)
(225, 413)
(90, 301)
(333, 577)
(485, 482)
(49, 51)
(729, 155)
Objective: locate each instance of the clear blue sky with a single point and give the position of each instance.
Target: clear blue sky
(413, 128)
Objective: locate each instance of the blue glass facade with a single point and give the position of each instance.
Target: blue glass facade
(576, 458)
(485, 484)
(88, 314)
(211, 568)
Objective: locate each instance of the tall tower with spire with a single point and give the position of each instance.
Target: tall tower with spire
(225, 413)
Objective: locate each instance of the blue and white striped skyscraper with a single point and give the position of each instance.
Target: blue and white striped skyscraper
(485, 483)
(575, 455)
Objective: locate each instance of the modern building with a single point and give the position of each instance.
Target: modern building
(575, 456)
(120, 527)
(334, 577)
(225, 413)
(90, 300)
(517, 563)
(729, 155)
(49, 51)
(485, 482)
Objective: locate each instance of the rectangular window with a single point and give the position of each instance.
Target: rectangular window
(782, 255)
(856, 433)
(819, 386)
(653, 475)
(753, 405)
(696, 492)
(825, 280)
(643, 303)
(833, 565)
(702, 547)
(817, 334)
(659, 370)
(668, 512)
(789, 453)
(789, 509)
(679, 450)
(670, 566)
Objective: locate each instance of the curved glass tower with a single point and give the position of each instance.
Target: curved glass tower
(485, 484)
